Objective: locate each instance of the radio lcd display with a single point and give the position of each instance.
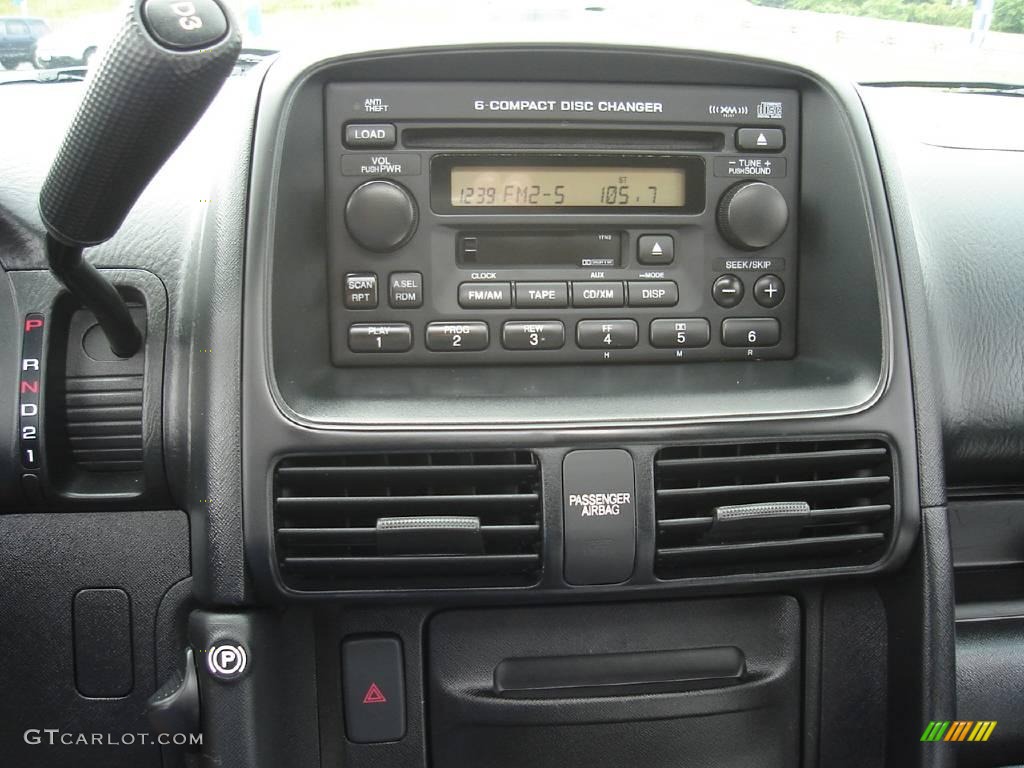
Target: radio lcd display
(482, 186)
(524, 184)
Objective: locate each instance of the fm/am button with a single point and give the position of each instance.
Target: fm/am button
(485, 295)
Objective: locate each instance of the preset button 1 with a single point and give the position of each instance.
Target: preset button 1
(380, 337)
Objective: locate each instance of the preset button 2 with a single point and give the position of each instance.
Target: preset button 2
(471, 336)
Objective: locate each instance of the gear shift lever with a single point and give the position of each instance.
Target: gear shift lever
(160, 73)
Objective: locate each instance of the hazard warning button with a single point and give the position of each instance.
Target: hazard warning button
(373, 689)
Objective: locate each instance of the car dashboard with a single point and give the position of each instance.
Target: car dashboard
(526, 404)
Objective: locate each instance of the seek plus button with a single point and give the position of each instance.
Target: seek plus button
(485, 295)
(360, 290)
(369, 135)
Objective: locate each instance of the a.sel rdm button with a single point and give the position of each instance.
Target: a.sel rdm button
(470, 336)
(405, 290)
(380, 337)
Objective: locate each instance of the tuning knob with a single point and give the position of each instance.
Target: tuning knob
(381, 216)
(752, 215)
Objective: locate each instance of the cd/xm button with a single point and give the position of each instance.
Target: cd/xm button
(594, 294)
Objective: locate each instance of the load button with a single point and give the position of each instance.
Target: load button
(369, 135)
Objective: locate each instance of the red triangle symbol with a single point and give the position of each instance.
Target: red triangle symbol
(374, 695)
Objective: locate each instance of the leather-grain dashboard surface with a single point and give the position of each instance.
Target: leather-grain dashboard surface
(960, 161)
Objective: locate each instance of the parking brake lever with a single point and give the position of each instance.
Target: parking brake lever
(160, 73)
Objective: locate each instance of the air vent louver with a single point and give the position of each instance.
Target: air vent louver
(408, 521)
(766, 507)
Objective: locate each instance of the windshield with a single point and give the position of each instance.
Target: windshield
(936, 41)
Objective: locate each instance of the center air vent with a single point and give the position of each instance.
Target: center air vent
(408, 521)
(764, 507)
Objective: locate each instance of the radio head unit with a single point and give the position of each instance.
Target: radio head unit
(474, 223)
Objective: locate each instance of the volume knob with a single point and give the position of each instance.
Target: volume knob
(381, 216)
(752, 215)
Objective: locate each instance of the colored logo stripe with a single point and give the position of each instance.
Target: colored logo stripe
(958, 730)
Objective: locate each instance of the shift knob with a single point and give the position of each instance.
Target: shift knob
(160, 73)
